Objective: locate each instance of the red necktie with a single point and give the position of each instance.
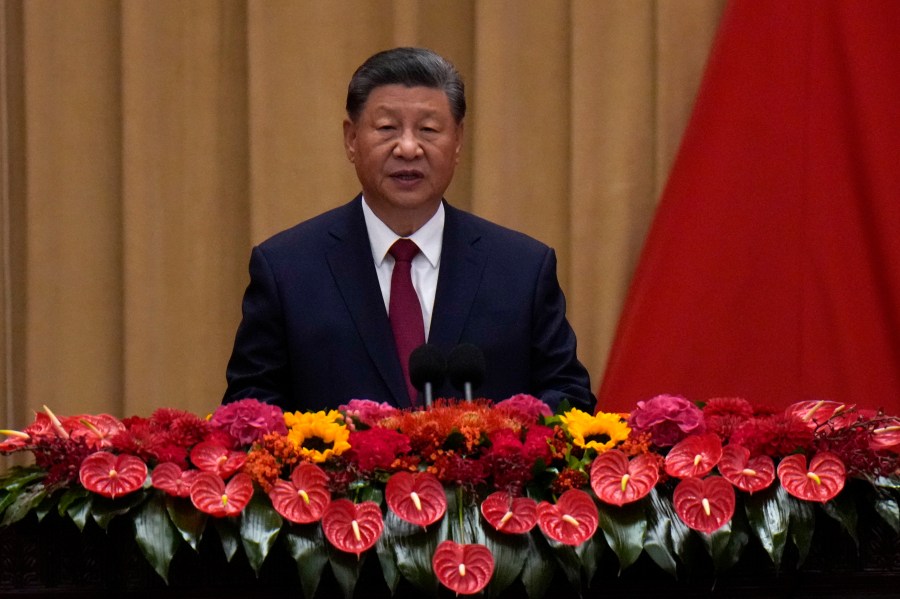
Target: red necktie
(404, 310)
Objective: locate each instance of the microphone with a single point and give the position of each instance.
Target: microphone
(465, 367)
(427, 369)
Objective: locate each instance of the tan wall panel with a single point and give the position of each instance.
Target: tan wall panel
(185, 164)
(685, 32)
(13, 410)
(74, 289)
(612, 161)
(521, 148)
(302, 55)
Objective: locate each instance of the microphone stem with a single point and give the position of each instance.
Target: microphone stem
(468, 390)
(428, 395)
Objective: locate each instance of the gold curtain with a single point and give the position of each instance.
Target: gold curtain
(147, 144)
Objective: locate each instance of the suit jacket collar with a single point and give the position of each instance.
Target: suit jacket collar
(350, 261)
(463, 258)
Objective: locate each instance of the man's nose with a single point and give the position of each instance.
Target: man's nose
(408, 145)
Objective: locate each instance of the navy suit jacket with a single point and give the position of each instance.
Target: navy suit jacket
(315, 332)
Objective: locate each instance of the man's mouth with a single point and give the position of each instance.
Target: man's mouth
(407, 175)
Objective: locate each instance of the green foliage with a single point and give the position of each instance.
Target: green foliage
(162, 524)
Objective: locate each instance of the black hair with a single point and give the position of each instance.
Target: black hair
(411, 67)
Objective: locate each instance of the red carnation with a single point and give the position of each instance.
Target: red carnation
(377, 448)
(724, 414)
(775, 436)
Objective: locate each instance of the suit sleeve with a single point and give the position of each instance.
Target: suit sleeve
(258, 367)
(557, 373)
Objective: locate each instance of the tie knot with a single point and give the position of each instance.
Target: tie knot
(404, 250)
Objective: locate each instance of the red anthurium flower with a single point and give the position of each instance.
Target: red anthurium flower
(352, 527)
(210, 456)
(211, 495)
(815, 413)
(169, 477)
(512, 515)
(94, 429)
(416, 497)
(694, 456)
(573, 520)
(464, 569)
(704, 504)
(304, 498)
(744, 473)
(617, 481)
(111, 475)
(822, 480)
(886, 436)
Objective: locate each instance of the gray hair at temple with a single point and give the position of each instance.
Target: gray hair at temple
(412, 67)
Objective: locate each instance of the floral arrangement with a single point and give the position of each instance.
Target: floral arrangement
(461, 494)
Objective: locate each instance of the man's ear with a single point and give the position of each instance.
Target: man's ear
(350, 139)
(460, 130)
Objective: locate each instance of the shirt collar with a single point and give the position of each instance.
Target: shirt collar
(429, 237)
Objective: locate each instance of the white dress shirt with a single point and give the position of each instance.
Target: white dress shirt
(425, 266)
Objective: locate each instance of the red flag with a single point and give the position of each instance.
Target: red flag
(772, 269)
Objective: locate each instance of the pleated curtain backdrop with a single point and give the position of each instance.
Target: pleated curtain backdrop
(146, 145)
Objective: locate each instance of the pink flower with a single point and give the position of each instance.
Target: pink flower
(366, 411)
(668, 419)
(524, 408)
(248, 420)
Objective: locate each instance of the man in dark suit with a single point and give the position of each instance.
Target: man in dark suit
(316, 330)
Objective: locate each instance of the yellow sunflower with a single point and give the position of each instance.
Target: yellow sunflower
(317, 435)
(599, 432)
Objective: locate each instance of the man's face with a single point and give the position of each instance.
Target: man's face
(405, 146)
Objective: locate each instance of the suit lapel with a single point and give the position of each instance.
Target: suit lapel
(463, 257)
(350, 261)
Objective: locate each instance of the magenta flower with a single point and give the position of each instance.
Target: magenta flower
(668, 419)
(248, 420)
(525, 408)
(366, 411)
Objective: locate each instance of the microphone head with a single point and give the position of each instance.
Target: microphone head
(427, 365)
(465, 364)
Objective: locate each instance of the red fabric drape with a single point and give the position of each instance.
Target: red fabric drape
(772, 269)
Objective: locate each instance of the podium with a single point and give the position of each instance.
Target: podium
(52, 558)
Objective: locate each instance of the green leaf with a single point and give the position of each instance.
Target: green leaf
(388, 561)
(228, 535)
(589, 553)
(843, 509)
(79, 510)
(726, 544)
(19, 477)
(540, 566)
(803, 525)
(510, 552)
(189, 521)
(155, 535)
(69, 497)
(666, 537)
(24, 502)
(306, 544)
(105, 509)
(260, 524)
(347, 568)
(768, 512)
(413, 547)
(624, 528)
(889, 512)
(48, 504)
